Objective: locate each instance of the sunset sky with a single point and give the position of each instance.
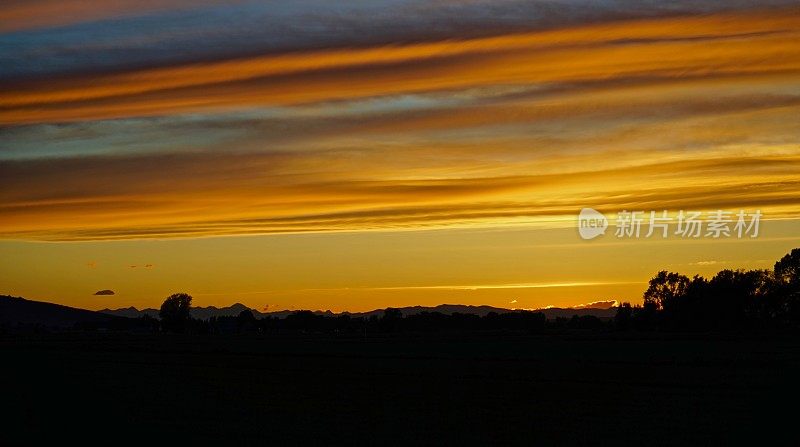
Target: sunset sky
(312, 154)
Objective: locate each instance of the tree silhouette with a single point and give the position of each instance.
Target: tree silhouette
(175, 312)
(787, 274)
(787, 270)
(624, 315)
(664, 289)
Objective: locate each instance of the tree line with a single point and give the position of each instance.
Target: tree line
(730, 300)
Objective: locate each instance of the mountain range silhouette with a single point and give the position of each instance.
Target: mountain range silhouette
(203, 313)
(18, 311)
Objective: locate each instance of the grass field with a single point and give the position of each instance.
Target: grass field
(444, 390)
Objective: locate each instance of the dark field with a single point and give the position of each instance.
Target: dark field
(531, 390)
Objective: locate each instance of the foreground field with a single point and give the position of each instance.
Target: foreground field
(544, 390)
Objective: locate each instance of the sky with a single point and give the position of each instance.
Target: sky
(355, 155)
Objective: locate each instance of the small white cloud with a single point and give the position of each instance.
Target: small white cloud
(709, 262)
(608, 304)
(513, 301)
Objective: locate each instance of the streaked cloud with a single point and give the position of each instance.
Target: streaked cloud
(753, 44)
(594, 105)
(46, 37)
(130, 197)
(17, 15)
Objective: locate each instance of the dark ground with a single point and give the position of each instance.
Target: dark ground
(593, 389)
